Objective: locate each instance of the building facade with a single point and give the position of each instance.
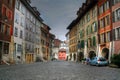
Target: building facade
(116, 26)
(88, 28)
(19, 24)
(55, 49)
(105, 28)
(31, 40)
(67, 47)
(73, 40)
(6, 30)
(51, 45)
(45, 37)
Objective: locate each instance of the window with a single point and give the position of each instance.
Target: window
(102, 38)
(6, 48)
(19, 48)
(117, 33)
(82, 44)
(88, 17)
(116, 1)
(94, 27)
(102, 23)
(7, 30)
(101, 9)
(87, 30)
(1, 28)
(21, 34)
(118, 14)
(106, 5)
(108, 36)
(22, 21)
(81, 33)
(9, 15)
(28, 14)
(89, 43)
(94, 41)
(4, 9)
(18, 4)
(16, 32)
(17, 18)
(94, 12)
(91, 30)
(108, 19)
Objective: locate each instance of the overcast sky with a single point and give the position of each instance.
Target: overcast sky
(58, 14)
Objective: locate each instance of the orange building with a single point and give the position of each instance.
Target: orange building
(104, 28)
(62, 54)
(45, 37)
(6, 30)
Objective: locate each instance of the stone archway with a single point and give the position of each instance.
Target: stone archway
(91, 54)
(105, 53)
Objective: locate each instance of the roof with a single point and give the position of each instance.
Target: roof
(31, 9)
(82, 11)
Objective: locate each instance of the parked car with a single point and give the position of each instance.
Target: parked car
(98, 61)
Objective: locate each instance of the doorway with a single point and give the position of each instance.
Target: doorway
(105, 53)
(91, 54)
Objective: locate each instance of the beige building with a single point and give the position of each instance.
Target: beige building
(87, 29)
(83, 31)
(73, 40)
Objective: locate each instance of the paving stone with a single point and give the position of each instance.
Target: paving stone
(58, 70)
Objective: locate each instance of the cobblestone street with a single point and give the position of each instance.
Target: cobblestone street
(57, 70)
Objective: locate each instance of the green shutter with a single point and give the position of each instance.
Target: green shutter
(94, 41)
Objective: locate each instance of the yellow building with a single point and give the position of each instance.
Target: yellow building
(87, 29)
(73, 41)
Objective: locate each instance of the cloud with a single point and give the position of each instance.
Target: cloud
(58, 14)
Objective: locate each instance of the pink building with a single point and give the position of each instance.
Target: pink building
(116, 26)
(62, 54)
